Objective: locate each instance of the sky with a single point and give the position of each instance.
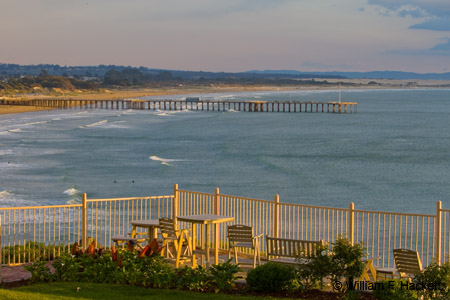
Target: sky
(231, 35)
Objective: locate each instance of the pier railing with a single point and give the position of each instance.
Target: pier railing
(35, 233)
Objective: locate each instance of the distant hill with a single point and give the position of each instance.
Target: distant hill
(360, 75)
(15, 70)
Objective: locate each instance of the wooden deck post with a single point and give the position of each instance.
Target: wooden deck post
(1, 256)
(216, 226)
(84, 222)
(438, 232)
(175, 204)
(216, 201)
(276, 217)
(351, 220)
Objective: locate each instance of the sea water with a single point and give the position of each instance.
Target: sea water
(392, 155)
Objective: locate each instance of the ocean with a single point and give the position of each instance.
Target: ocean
(392, 155)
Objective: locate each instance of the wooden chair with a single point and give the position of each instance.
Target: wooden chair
(177, 238)
(407, 263)
(242, 236)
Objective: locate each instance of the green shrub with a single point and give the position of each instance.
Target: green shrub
(437, 279)
(156, 272)
(129, 268)
(344, 263)
(223, 276)
(317, 269)
(197, 279)
(393, 290)
(270, 277)
(40, 272)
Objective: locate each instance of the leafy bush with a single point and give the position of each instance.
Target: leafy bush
(127, 268)
(190, 279)
(144, 268)
(434, 275)
(316, 269)
(40, 272)
(393, 290)
(343, 263)
(270, 277)
(223, 276)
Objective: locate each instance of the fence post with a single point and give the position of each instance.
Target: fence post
(438, 232)
(175, 204)
(84, 222)
(351, 221)
(276, 218)
(216, 226)
(1, 254)
(216, 202)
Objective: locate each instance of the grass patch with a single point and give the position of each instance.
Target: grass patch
(79, 290)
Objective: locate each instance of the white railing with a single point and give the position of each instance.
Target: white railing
(32, 233)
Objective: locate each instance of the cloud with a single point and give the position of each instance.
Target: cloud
(441, 49)
(435, 13)
(440, 24)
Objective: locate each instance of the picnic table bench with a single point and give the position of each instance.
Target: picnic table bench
(289, 251)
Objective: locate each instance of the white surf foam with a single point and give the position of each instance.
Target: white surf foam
(5, 195)
(34, 123)
(164, 161)
(163, 113)
(97, 123)
(74, 201)
(226, 96)
(71, 192)
(15, 130)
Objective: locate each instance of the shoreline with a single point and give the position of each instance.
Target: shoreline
(360, 84)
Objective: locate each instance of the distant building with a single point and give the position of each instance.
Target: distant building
(192, 99)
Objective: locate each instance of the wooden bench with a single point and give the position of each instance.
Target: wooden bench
(289, 251)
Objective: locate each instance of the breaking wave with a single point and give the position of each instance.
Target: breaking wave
(71, 192)
(164, 161)
(96, 123)
(4, 195)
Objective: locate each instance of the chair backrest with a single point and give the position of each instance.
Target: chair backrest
(167, 228)
(292, 248)
(407, 261)
(240, 234)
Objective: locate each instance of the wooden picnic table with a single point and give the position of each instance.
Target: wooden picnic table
(205, 221)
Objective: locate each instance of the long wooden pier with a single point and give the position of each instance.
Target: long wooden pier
(201, 105)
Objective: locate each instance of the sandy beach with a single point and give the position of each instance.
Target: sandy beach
(122, 94)
(12, 109)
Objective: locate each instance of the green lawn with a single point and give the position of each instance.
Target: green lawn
(75, 290)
